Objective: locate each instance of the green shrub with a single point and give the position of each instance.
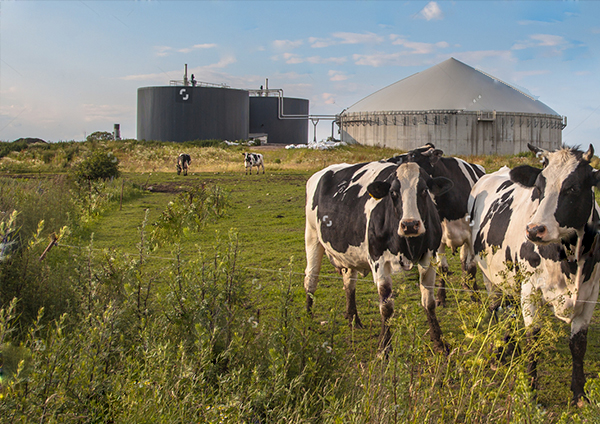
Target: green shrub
(99, 165)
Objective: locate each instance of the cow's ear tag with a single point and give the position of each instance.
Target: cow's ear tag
(378, 189)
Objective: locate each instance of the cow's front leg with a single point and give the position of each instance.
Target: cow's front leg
(383, 280)
(578, 346)
(444, 269)
(427, 285)
(349, 277)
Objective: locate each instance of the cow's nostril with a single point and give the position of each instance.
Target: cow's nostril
(536, 232)
(410, 227)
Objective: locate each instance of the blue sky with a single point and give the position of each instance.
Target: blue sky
(69, 68)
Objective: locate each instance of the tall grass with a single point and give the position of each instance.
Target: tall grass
(172, 335)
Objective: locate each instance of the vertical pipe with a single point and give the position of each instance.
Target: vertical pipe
(185, 79)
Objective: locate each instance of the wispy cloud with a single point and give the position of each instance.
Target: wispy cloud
(328, 98)
(166, 50)
(417, 47)
(554, 43)
(337, 75)
(346, 38)
(379, 59)
(431, 12)
(94, 112)
(287, 44)
(196, 47)
(199, 71)
(293, 58)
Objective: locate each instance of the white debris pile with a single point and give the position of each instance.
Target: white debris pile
(319, 145)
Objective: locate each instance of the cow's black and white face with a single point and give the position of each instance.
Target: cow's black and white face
(564, 190)
(410, 191)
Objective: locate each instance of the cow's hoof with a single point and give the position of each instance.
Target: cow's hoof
(441, 347)
(580, 400)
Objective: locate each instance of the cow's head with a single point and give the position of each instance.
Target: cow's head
(426, 156)
(563, 190)
(409, 191)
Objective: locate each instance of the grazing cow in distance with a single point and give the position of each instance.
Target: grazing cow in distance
(374, 217)
(451, 206)
(183, 163)
(537, 230)
(253, 159)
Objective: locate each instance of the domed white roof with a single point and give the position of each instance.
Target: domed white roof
(450, 85)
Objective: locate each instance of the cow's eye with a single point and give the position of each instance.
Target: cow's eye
(394, 194)
(572, 190)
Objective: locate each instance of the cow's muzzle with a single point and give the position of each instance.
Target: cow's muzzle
(410, 227)
(537, 233)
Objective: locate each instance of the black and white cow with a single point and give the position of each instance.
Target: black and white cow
(253, 159)
(183, 163)
(451, 205)
(536, 229)
(374, 217)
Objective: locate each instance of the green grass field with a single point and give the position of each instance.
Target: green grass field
(267, 214)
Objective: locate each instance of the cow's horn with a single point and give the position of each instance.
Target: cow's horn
(587, 156)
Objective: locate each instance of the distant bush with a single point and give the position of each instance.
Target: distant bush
(99, 136)
(100, 165)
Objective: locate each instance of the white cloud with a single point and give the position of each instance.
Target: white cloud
(337, 76)
(354, 38)
(198, 72)
(293, 58)
(196, 47)
(328, 98)
(166, 50)
(345, 38)
(557, 43)
(287, 44)
(162, 50)
(93, 112)
(417, 47)
(431, 12)
(318, 43)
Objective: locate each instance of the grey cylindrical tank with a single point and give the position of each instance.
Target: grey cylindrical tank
(183, 113)
(264, 118)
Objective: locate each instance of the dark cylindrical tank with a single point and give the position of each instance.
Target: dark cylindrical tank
(183, 113)
(264, 118)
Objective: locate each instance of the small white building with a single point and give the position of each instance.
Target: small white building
(459, 109)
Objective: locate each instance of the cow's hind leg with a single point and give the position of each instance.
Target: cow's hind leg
(427, 280)
(469, 267)
(349, 276)
(314, 258)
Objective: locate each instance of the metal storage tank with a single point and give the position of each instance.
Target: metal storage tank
(283, 119)
(456, 107)
(183, 113)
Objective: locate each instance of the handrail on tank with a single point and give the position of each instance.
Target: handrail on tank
(198, 84)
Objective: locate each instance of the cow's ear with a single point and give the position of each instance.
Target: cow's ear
(524, 175)
(596, 178)
(378, 189)
(439, 185)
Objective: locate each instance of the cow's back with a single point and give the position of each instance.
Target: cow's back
(338, 207)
